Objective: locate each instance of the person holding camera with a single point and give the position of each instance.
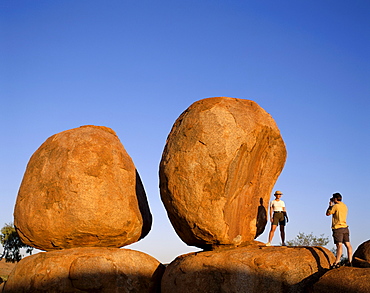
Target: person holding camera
(340, 228)
(277, 216)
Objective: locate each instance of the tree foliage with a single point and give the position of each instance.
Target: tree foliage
(12, 244)
(308, 240)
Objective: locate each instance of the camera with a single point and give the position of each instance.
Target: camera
(332, 199)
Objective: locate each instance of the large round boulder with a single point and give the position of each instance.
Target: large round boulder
(250, 269)
(87, 270)
(80, 189)
(220, 163)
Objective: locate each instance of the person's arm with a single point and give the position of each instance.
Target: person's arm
(271, 210)
(330, 211)
(285, 214)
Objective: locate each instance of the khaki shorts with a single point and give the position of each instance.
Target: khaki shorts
(341, 235)
(278, 218)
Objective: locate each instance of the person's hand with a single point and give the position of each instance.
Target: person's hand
(331, 203)
(272, 219)
(287, 220)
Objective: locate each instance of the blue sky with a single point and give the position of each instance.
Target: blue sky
(134, 66)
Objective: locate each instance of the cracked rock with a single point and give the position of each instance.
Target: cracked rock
(220, 163)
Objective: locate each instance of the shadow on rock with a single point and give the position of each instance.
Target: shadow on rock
(87, 270)
(248, 269)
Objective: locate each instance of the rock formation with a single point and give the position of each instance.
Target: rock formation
(81, 189)
(219, 165)
(81, 199)
(248, 269)
(86, 270)
(344, 280)
(361, 257)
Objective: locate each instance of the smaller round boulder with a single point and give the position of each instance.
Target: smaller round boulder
(361, 257)
(81, 189)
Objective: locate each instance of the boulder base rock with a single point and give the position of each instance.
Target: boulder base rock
(248, 269)
(219, 165)
(344, 280)
(361, 257)
(86, 270)
(81, 189)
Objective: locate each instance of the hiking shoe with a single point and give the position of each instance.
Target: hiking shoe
(335, 265)
(268, 244)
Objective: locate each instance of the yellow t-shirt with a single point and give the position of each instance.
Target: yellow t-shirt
(339, 212)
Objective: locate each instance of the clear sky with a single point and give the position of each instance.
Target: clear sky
(135, 66)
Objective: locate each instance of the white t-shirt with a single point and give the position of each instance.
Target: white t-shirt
(277, 205)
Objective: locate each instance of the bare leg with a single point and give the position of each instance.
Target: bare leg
(349, 251)
(339, 252)
(282, 234)
(272, 232)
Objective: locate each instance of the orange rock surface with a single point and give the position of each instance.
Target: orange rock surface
(344, 280)
(81, 189)
(361, 257)
(86, 270)
(220, 163)
(248, 269)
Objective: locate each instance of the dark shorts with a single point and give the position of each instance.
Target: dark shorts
(278, 218)
(341, 235)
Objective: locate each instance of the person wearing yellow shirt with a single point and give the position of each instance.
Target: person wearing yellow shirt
(339, 227)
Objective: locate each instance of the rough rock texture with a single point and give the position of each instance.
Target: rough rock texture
(81, 189)
(86, 270)
(219, 165)
(344, 280)
(361, 257)
(248, 269)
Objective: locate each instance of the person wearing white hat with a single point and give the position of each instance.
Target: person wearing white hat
(277, 216)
